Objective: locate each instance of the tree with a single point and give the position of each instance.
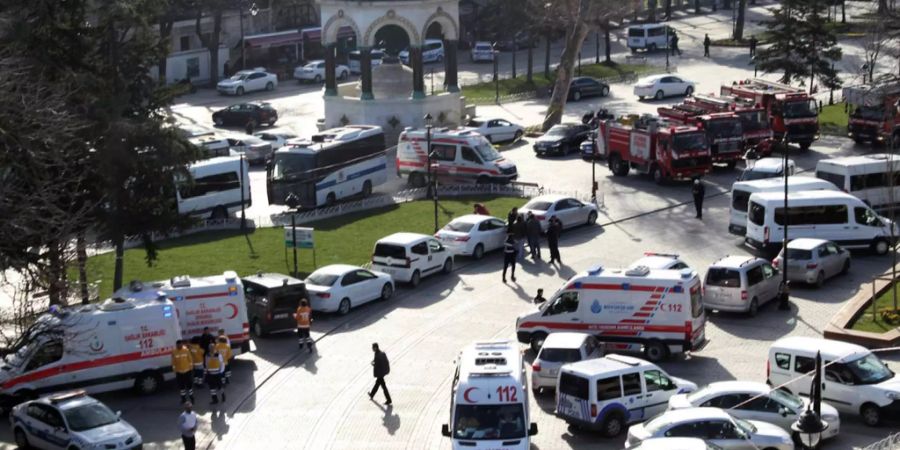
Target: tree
(172, 11)
(739, 22)
(211, 40)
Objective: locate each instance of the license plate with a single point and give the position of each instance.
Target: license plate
(281, 316)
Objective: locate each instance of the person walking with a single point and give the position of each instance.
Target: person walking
(304, 321)
(215, 368)
(674, 41)
(380, 368)
(187, 424)
(509, 256)
(706, 44)
(520, 232)
(753, 46)
(197, 360)
(224, 349)
(183, 366)
(533, 232)
(698, 191)
(553, 231)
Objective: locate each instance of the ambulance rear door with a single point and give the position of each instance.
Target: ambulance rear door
(215, 306)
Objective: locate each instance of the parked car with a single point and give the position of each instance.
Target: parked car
(495, 129)
(715, 426)
(473, 235)
(752, 400)
(254, 149)
(339, 287)
(582, 87)
(272, 299)
(569, 211)
(278, 139)
(561, 139)
(55, 421)
(482, 51)
(432, 51)
(672, 443)
(245, 81)
(242, 113)
(740, 284)
(558, 349)
(665, 261)
(315, 71)
(407, 257)
(664, 85)
(813, 260)
(766, 168)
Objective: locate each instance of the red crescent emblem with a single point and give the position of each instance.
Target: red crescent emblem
(234, 310)
(466, 395)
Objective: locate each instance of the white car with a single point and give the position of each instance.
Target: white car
(752, 400)
(68, 421)
(664, 261)
(495, 129)
(766, 168)
(663, 85)
(315, 72)
(667, 443)
(561, 348)
(339, 287)
(248, 81)
(409, 257)
(254, 149)
(715, 426)
(569, 211)
(482, 51)
(278, 139)
(473, 235)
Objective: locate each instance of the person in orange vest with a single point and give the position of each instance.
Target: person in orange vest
(224, 349)
(197, 358)
(183, 366)
(215, 367)
(304, 320)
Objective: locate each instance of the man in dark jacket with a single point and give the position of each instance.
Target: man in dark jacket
(511, 218)
(698, 191)
(706, 43)
(206, 339)
(753, 42)
(380, 368)
(520, 232)
(533, 232)
(553, 231)
(509, 256)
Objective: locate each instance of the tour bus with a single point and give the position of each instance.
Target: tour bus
(489, 403)
(832, 215)
(741, 191)
(354, 57)
(332, 165)
(215, 191)
(457, 156)
(868, 177)
(650, 36)
(659, 310)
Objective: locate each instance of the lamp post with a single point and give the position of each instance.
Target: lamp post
(597, 47)
(496, 73)
(243, 207)
(432, 185)
(784, 296)
(254, 10)
(293, 202)
(809, 426)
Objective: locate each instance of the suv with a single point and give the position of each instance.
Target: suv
(272, 299)
(740, 284)
(407, 257)
(559, 349)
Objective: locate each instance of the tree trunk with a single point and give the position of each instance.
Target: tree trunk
(696, 6)
(668, 9)
(211, 44)
(882, 6)
(564, 74)
(54, 273)
(165, 35)
(81, 251)
(609, 44)
(515, 50)
(529, 74)
(119, 267)
(547, 57)
(651, 11)
(739, 24)
(843, 11)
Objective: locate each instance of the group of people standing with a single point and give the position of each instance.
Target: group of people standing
(203, 358)
(527, 229)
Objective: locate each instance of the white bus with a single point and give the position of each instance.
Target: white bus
(874, 179)
(332, 165)
(215, 188)
(354, 57)
(741, 191)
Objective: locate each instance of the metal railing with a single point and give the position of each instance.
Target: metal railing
(891, 442)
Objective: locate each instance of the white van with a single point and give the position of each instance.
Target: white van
(459, 156)
(216, 188)
(215, 301)
(353, 60)
(659, 310)
(836, 216)
(741, 191)
(607, 393)
(121, 343)
(432, 51)
(855, 380)
(649, 37)
(868, 177)
(408, 257)
(489, 404)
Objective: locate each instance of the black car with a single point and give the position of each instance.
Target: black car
(243, 113)
(272, 299)
(587, 87)
(562, 139)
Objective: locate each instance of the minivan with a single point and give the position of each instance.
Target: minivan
(874, 179)
(353, 60)
(649, 37)
(741, 191)
(272, 299)
(407, 257)
(740, 284)
(558, 349)
(432, 51)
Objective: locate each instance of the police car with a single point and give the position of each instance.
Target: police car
(71, 421)
(663, 261)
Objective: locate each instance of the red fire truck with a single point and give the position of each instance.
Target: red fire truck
(792, 112)
(724, 132)
(651, 146)
(875, 116)
(754, 119)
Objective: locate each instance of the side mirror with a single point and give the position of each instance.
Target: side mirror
(445, 430)
(532, 430)
(784, 412)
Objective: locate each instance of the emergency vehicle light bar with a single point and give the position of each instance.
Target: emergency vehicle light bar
(639, 271)
(490, 361)
(594, 271)
(58, 398)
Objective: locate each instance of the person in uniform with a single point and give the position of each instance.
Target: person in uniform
(304, 321)
(197, 354)
(215, 367)
(224, 349)
(183, 366)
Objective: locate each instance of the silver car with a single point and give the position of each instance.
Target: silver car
(813, 261)
(713, 425)
(569, 211)
(559, 349)
(740, 284)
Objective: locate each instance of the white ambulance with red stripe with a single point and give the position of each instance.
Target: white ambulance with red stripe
(121, 343)
(457, 156)
(658, 310)
(216, 302)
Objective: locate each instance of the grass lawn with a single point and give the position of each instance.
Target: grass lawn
(833, 119)
(347, 239)
(865, 322)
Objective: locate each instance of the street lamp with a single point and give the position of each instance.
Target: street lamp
(432, 185)
(809, 426)
(785, 290)
(293, 202)
(254, 10)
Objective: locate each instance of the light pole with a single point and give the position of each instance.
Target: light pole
(668, 43)
(293, 202)
(253, 12)
(243, 207)
(496, 73)
(432, 185)
(810, 426)
(784, 303)
(597, 47)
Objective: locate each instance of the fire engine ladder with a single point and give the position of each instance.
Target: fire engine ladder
(711, 103)
(770, 87)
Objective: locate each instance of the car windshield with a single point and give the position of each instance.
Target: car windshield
(291, 166)
(311, 65)
(699, 394)
(750, 175)
(870, 370)
(690, 142)
(489, 422)
(745, 426)
(799, 254)
(798, 109)
(753, 120)
(239, 76)
(390, 251)
(558, 130)
(475, 123)
(87, 417)
(869, 113)
(725, 128)
(656, 424)
(459, 226)
(791, 400)
(487, 151)
(538, 205)
(561, 355)
(720, 276)
(321, 279)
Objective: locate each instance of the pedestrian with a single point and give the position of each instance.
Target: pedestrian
(753, 45)
(533, 233)
(674, 41)
(509, 256)
(187, 423)
(183, 366)
(520, 233)
(539, 298)
(481, 210)
(511, 218)
(380, 368)
(304, 321)
(215, 367)
(224, 349)
(553, 231)
(698, 191)
(206, 339)
(248, 128)
(706, 44)
(197, 358)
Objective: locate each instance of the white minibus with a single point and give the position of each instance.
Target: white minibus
(215, 191)
(741, 191)
(650, 36)
(868, 177)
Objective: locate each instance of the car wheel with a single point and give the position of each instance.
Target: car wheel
(387, 291)
(330, 199)
(605, 91)
(317, 79)
(367, 189)
(871, 414)
(688, 91)
(537, 341)
(21, 439)
(257, 328)
(592, 218)
(640, 97)
(753, 309)
(490, 139)
(343, 75)
(613, 425)
(846, 267)
(219, 213)
(651, 48)
(805, 145)
(344, 307)
(657, 175)
(478, 253)
(536, 391)
(576, 96)
(659, 95)
(239, 91)
(218, 121)
(270, 86)
(415, 279)
(517, 136)
(880, 246)
(148, 382)
(820, 280)
(440, 58)
(417, 180)
(448, 266)
(655, 351)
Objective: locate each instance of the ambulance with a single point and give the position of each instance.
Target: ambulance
(215, 301)
(118, 344)
(659, 310)
(457, 156)
(489, 406)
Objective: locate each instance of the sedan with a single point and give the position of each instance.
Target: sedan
(255, 150)
(671, 443)
(582, 87)
(569, 211)
(315, 72)
(473, 235)
(482, 51)
(496, 130)
(813, 260)
(247, 81)
(562, 139)
(278, 139)
(714, 426)
(751, 400)
(660, 86)
(340, 287)
(244, 113)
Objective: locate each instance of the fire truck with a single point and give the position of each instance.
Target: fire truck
(754, 119)
(724, 132)
(653, 146)
(792, 112)
(875, 116)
